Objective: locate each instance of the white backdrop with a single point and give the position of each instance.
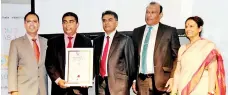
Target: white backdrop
(131, 15)
(130, 12)
(12, 26)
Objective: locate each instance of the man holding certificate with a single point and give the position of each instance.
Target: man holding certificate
(56, 55)
(113, 59)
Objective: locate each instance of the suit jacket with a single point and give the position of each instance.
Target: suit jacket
(55, 61)
(165, 52)
(120, 64)
(25, 75)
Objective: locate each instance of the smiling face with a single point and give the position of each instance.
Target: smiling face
(31, 24)
(109, 23)
(192, 29)
(70, 25)
(153, 14)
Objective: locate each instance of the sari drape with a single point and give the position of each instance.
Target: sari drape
(220, 88)
(193, 75)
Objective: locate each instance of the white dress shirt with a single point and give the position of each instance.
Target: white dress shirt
(31, 42)
(66, 39)
(111, 36)
(150, 49)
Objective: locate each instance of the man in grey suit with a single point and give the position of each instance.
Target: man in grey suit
(26, 69)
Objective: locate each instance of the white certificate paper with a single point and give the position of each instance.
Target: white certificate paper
(79, 67)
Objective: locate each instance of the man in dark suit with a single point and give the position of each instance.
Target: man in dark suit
(156, 49)
(113, 59)
(55, 57)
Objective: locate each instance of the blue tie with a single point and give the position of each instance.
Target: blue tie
(144, 51)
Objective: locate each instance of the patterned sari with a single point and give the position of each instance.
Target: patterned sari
(206, 52)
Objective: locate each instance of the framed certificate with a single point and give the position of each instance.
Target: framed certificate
(79, 67)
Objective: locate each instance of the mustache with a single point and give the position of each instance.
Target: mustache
(32, 26)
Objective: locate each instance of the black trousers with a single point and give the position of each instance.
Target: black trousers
(103, 86)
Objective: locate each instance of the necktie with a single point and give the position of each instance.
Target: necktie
(36, 50)
(69, 43)
(103, 59)
(144, 51)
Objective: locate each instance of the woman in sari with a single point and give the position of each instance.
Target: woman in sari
(199, 69)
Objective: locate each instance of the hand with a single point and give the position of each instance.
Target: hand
(62, 83)
(134, 87)
(14, 93)
(169, 84)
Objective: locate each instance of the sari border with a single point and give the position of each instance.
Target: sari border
(220, 81)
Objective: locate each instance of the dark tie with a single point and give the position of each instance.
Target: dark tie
(103, 59)
(36, 50)
(69, 43)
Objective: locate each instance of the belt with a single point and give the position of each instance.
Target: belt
(103, 78)
(144, 76)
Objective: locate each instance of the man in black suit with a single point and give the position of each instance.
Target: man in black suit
(113, 59)
(156, 47)
(55, 57)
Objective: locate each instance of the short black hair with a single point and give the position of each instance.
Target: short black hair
(198, 20)
(70, 14)
(109, 12)
(31, 13)
(153, 3)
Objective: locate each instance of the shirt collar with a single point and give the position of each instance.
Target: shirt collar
(30, 37)
(66, 36)
(111, 35)
(154, 27)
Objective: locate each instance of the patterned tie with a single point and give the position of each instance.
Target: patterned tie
(103, 59)
(69, 43)
(144, 51)
(36, 50)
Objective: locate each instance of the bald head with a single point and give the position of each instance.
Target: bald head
(153, 13)
(156, 4)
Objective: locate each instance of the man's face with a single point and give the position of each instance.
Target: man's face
(109, 23)
(153, 14)
(31, 24)
(70, 25)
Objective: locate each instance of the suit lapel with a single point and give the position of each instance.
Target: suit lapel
(100, 46)
(159, 36)
(63, 48)
(62, 51)
(114, 44)
(29, 49)
(140, 37)
(77, 41)
(42, 49)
